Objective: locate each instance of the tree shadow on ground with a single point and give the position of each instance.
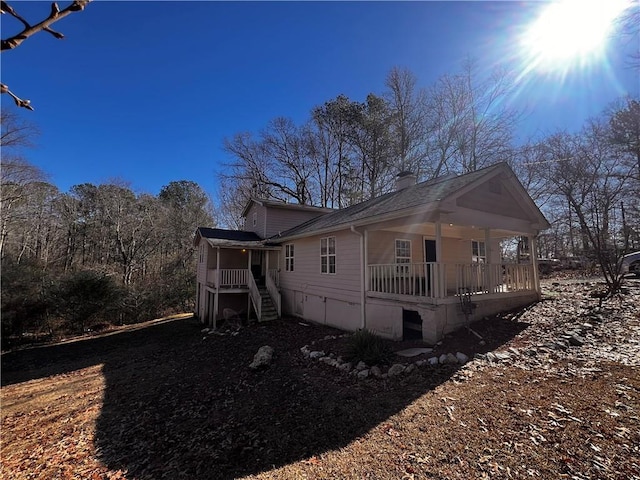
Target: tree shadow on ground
(177, 405)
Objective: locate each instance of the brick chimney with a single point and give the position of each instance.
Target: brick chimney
(405, 179)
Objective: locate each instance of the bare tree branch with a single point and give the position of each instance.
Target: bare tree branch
(29, 30)
(19, 101)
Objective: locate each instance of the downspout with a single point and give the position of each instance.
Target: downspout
(363, 318)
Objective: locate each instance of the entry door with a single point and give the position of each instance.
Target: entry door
(429, 256)
(256, 264)
(430, 251)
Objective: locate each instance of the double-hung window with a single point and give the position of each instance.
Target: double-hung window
(328, 255)
(478, 252)
(288, 257)
(403, 255)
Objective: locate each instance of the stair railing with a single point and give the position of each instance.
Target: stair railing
(272, 288)
(254, 293)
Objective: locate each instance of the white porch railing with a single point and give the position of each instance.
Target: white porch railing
(416, 279)
(254, 293)
(272, 282)
(430, 279)
(229, 277)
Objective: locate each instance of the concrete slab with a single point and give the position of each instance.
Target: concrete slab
(413, 352)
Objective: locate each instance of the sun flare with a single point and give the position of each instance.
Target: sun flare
(570, 32)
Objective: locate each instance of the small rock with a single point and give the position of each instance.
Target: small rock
(410, 368)
(361, 366)
(375, 371)
(363, 373)
(443, 358)
(576, 340)
(262, 358)
(346, 367)
(421, 363)
(502, 356)
(316, 354)
(452, 359)
(482, 342)
(433, 361)
(204, 330)
(462, 358)
(395, 370)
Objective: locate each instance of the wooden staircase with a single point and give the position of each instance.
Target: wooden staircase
(269, 311)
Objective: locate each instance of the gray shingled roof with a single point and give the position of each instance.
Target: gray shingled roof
(416, 195)
(233, 235)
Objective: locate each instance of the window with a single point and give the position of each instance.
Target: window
(403, 255)
(201, 252)
(288, 257)
(255, 218)
(478, 252)
(328, 255)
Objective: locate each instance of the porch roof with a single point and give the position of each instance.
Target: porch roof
(426, 196)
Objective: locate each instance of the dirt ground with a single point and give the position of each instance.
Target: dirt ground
(169, 402)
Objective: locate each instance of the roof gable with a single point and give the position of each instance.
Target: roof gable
(431, 195)
(279, 204)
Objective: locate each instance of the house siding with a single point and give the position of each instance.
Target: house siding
(484, 198)
(261, 220)
(271, 220)
(282, 219)
(324, 298)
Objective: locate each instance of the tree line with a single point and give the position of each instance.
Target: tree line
(348, 151)
(92, 256)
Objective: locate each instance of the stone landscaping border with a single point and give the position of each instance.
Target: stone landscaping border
(361, 370)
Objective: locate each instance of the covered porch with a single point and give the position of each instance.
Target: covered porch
(249, 271)
(430, 270)
(440, 256)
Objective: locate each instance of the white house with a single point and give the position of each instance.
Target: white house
(406, 264)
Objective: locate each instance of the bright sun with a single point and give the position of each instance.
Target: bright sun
(571, 31)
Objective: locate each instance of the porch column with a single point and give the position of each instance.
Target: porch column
(249, 274)
(533, 256)
(488, 282)
(217, 294)
(365, 287)
(440, 287)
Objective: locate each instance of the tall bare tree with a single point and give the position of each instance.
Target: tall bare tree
(408, 128)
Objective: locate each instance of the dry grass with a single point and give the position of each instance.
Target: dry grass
(162, 402)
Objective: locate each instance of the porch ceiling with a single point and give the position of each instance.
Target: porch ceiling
(452, 231)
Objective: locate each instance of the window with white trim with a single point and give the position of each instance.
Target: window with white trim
(288, 257)
(255, 218)
(478, 251)
(328, 255)
(403, 255)
(201, 252)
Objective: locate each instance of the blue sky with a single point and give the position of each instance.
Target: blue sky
(147, 91)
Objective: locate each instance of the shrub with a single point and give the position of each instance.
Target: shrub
(368, 347)
(84, 297)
